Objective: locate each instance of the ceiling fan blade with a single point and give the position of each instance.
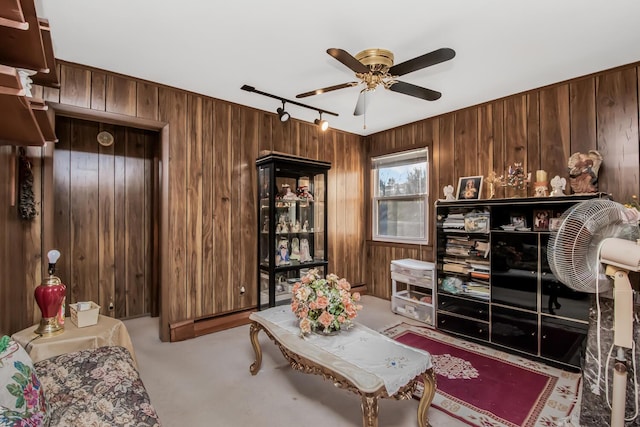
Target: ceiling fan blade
(326, 89)
(347, 59)
(363, 102)
(417, 91)
(426, 60)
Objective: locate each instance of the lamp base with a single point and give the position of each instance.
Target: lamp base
(49, 327)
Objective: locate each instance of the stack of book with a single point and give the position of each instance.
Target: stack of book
(454, 221)
(478, 286)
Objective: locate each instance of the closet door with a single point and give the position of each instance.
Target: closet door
(103, 215)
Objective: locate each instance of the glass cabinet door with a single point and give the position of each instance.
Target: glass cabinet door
(291, 224)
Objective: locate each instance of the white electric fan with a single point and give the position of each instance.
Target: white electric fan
(597, 243)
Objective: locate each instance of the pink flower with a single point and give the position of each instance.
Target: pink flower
(30, 396)
(325, 318)
(315, 300)
(322, 302)
(343, 284)
(305, 325)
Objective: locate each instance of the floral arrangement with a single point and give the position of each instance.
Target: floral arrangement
(324, 305)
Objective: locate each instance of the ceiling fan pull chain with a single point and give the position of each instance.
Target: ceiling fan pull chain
(364, 116)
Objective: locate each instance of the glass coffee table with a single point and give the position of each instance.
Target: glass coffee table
(360, 360)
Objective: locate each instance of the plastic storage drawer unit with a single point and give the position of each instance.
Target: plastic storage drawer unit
(415, 299)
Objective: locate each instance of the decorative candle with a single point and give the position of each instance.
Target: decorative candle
(541, 176)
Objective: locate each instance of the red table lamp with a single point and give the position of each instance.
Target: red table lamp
(50, 296)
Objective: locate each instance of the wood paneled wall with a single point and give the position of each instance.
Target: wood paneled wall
(213, 145)
(540, 128)
(212, 182)
(13, 288)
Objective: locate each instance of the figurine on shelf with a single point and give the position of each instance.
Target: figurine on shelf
(305, 254)
(583, 171)
(303, 193)
(540, 189)
(288, 194)
(265, 226)
(296, 227)
(305, 225)
(540, 186)
(283, 224)
(492, 180)
(448, 192)
(295, 249)
(517, 180)
(283, 252)
(558, 184)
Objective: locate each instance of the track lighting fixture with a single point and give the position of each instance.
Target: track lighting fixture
(322, 124)
(282, 114)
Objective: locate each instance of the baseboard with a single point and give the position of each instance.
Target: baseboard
(191, 328)
(220, 323)
(359, 287)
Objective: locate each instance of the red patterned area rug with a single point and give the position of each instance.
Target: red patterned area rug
(486, 387)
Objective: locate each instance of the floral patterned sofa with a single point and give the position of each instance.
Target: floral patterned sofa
(97, 387)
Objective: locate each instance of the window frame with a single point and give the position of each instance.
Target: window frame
(421, 197)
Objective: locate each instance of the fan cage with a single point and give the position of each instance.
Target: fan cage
(573, 250)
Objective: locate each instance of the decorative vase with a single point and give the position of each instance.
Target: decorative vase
(50, 296)
(320, 331)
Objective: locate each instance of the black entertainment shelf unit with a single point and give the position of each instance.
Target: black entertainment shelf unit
(494, 284)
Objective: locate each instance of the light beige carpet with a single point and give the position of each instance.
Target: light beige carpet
(206, 382)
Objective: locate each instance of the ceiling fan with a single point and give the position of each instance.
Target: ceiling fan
(375, 67)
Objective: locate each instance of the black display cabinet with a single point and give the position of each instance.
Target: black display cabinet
(494, 284)
(292, 224)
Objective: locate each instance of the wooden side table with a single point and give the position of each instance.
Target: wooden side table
(108, 331)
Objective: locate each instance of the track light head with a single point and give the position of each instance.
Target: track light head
(322, 124)
(282, 114)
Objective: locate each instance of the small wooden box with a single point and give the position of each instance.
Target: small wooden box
(84, 318)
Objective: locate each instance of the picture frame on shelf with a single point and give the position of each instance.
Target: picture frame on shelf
(469, 188)
(554, 221)
(518, 220)
(554, 224)
(541, 219)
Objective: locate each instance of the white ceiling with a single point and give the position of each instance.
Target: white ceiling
(213, 47)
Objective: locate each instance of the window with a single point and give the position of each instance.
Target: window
(400, 196)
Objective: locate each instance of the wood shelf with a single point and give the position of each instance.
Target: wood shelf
(41, 112)
(26, 120)
(24, 48)
(49, 78)
(11, 15)
(10, 81)
(30, 48)
(20, 126)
